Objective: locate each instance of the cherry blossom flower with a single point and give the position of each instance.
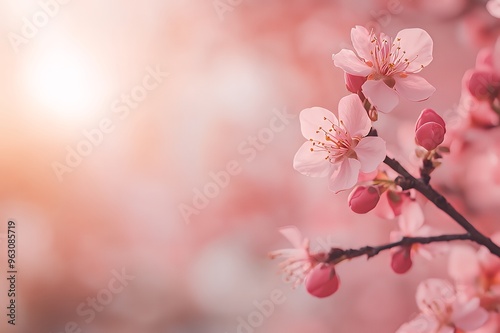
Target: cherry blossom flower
(442, 311)
(338, 148)
(493, 7)
(411, 224)
(299, 260)
(389, 65)
(477, 274)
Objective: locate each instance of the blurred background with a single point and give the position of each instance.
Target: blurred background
(156, 138)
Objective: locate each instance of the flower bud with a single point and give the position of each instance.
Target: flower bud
(429, 129)
(483, 85)
(363, 199)
(322, 281)
(401, 260)
(353, 83)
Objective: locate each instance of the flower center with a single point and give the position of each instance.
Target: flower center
(388, 59)
(337, 144)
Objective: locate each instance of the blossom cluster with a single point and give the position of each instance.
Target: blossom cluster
(345, 147)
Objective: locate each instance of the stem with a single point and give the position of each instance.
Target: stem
(407, 181)
(337, 255)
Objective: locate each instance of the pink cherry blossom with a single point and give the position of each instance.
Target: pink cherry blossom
(477, 274)
(493, 7)
(411, 224)
(338, 148)
(299, 259)
(390, 65)
(442, 311)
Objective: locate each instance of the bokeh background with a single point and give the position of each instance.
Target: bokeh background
(231, 66)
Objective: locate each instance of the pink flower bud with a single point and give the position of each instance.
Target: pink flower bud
(363, 199)
(401, 260)
(483, 85)
(429, 129)
(353, 83)
(322, 281)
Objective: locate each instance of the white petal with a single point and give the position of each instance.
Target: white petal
(380, 95)
(311, 163)
(413, 87)
(312, 119)
(293, 235)
(350, 63)
(346, 176)
(354, 116)
(418, 47)
(371, 152)
(411, 219)
(360, 38)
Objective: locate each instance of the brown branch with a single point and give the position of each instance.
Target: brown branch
(407, 181)
(337, 255)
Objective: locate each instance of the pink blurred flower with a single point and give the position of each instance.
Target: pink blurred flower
(477, 274)
(493, 7)
(429, 129)
(442, 311)
(389, 65)
(481, 88)
(299, 259)
(338, 148)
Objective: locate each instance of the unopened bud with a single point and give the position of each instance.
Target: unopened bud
(483, 85)
(353, 83)
(429, 129)
(401, 260)
(363, 199)
(322, 281)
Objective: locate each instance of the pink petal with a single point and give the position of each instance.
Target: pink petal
(414, 87)
(418, 47)
(371, 152)
(380, 95)
(311, 163)
(493, 7)
(437, 292)
(345, 176)
(350, 63)
(354, 116)
(293, 235)
(421, 324)
(313, 118)
(322, 281)
(361, 41)
(484, 59)
(469, 316)
(411, 219)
